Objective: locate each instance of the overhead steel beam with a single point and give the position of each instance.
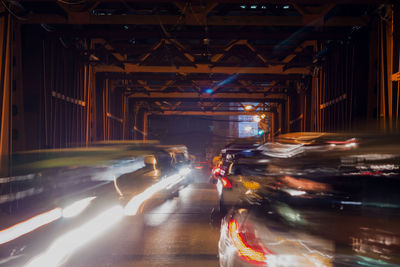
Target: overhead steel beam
(87, 18)
(198, 76)
(349, 2)
(203, 68)
(220, 97)
(226, 34)
(161, 88)
(255, 100)
(207, 113)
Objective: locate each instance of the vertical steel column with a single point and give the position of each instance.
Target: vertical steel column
(272, 130)
(5, 79)
(396, 63)
(385, 89)
(91, 107)
(135, 121)
(280, 118)
(87, 99)
(18, 131)
(287, 111)
(315, 103)
(145, 125)
(105, 110)
(125, 132)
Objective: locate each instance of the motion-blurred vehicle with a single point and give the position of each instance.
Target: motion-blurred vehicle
(229, 154)
(248, 168)
(165, 163)
(179, 155)
(340, 208)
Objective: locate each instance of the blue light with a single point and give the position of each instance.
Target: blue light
(208, 91)
(260, 132)
(286, 7)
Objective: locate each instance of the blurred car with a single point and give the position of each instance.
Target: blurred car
(231, 152)
(240, 177)
(340, 208)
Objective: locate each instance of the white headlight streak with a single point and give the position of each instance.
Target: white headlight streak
(68, 243)
(29, 225)
(134, 204)
(77, 207)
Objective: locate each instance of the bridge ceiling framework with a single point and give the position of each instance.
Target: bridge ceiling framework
(306, 60)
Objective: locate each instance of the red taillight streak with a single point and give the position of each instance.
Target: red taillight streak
(226, 183)
(253, 253)
(371, 173)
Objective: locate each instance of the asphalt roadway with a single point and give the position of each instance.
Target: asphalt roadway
(179, 232)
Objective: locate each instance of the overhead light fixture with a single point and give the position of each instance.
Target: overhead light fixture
(286, 7)
(208, 90)
(262, 116)
(248, 107)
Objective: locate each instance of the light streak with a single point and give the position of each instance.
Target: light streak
(134, 204)
(117, 187)
(77, 207)
(68, 243)
(294, 192)
(29, 225)
(244, 250)
(351, 202)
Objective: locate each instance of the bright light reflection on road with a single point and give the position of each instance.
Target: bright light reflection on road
(29, 225)
(68, 243)
(161, 213)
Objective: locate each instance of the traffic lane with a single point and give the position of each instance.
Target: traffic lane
(176, 233)
(20, 250)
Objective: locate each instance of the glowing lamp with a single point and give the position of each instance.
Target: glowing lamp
(248, 107)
